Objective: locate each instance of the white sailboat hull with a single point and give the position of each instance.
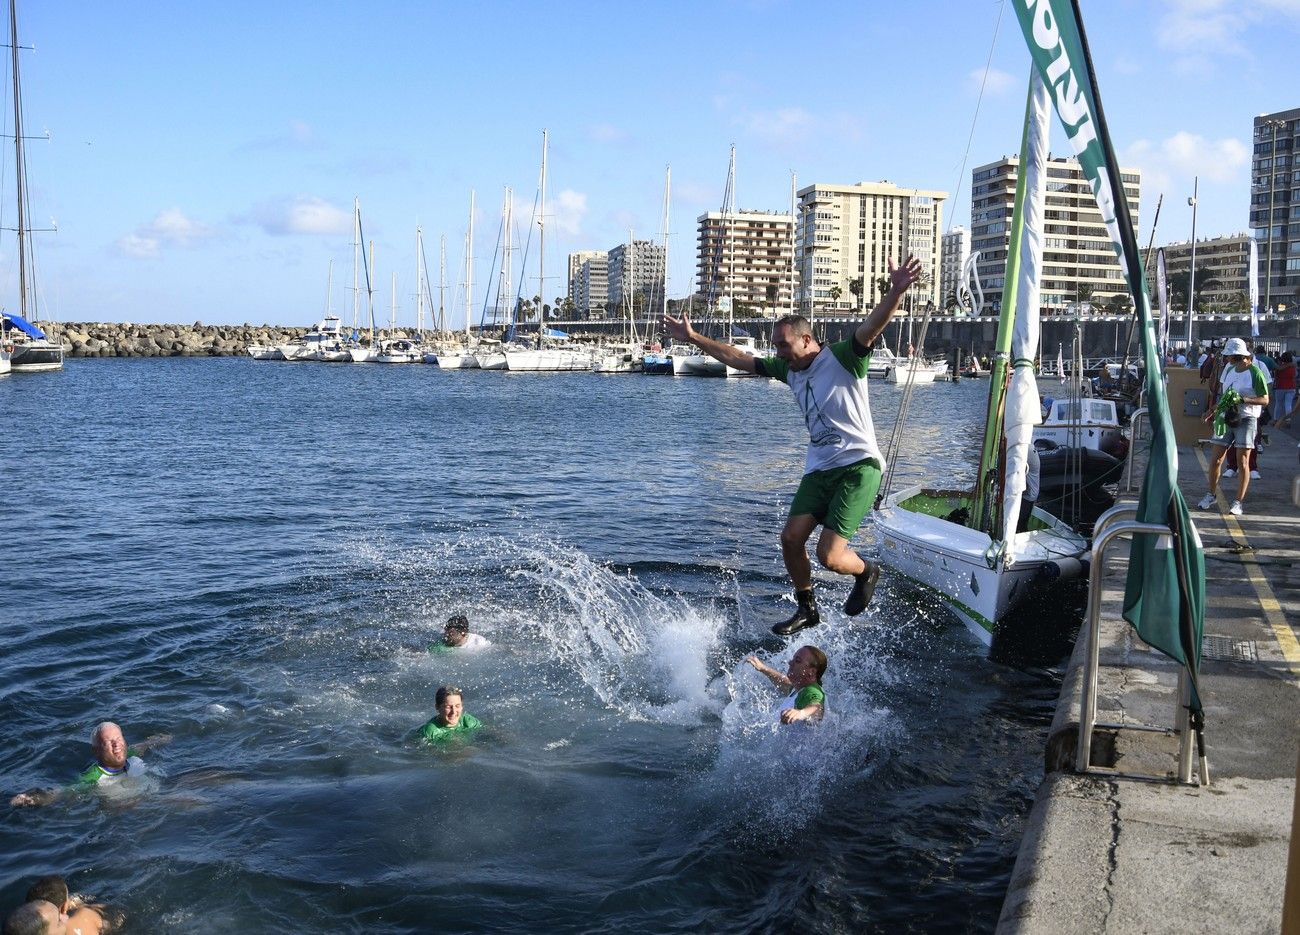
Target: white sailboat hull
(617, 363)
(361, 355)
(453, 360)
(263, 352)
(698, 365)
(549, 359)
(495, 361)
(913, 372)
(950, 559)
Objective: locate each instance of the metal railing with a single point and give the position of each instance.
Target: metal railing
(1114, 523)
(1135, 429)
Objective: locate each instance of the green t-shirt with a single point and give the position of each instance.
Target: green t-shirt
(434, 732)
(93, 773)
(810, 695)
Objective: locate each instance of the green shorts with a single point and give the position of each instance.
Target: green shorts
(839, 498)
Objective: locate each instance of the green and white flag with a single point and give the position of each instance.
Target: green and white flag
(1165, 593)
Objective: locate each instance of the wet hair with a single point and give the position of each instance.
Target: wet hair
(797, 324)
(819, 660)
(99, 731)
(445, 692)
(53, 889)
(29, 919)
(459, 622)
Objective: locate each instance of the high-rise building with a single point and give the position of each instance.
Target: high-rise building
(1222, 273)
(1079, 263)
(589, 282)
(848, 233)
(746, 256)
(636, 268)
(1275, 207)
(954, 253)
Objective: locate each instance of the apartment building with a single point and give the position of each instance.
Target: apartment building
(1079, 263)
(954, 252)
(1222, 273)
(1275, 207)
(849, 233)
(748, 257)
(636, 269)
(589, 282)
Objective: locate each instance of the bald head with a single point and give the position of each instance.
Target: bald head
(109, 745)
(34, 918)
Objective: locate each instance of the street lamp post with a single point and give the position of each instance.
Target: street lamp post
(1191, 275)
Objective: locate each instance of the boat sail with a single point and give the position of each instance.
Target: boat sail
(964, 545)
(26, 346)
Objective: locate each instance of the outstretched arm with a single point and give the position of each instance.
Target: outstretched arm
(900, 279)
(680, 328)
(779, 679)
(152, 742)
(810, 713)
(34, 797)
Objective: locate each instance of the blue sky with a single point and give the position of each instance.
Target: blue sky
(203, 158)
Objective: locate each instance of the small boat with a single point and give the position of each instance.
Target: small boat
(916, 370)
(1087, 423)
(657, 362)
(327, 334)
(264, 352)
(397, 351)
(618, 358)
(32, 351)
(1077, 484)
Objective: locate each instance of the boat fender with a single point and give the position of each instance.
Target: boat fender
(1063, 569)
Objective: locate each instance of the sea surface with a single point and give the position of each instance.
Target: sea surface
(253, 557)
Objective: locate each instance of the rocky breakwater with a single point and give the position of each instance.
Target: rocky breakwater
(123, 339)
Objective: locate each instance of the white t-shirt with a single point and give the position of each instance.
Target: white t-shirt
(1248, 382)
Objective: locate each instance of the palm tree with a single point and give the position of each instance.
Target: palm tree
(855, 286)
(836, 292)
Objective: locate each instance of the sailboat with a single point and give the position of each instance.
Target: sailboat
(553, 356)
(697, 363)
(489, 353)
(450, 356)
(394, 350)
(624, 356)
(27, 346)
(963, 544)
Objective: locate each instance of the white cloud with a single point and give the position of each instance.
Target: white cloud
(304, 214)
(567, 211)
(790, 127)
(609, 134)
(1199, 31)
(996, 82)
(1178, 158)
(170, 228)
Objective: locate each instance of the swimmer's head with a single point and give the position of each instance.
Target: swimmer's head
(807, 666)
(456, 631)
(109, 745)
(450, 705)
(34, 918)
(53, 889)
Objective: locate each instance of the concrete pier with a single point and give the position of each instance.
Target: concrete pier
(1106, 853)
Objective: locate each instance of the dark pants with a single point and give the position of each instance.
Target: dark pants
(1026, 509)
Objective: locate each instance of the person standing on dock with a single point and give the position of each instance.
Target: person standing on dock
(1247, 381)
(843, 466)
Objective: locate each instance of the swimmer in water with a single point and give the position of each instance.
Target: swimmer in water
(114, 760)
(803, 679)
(79, 917)
(456, 635)
(451, 720)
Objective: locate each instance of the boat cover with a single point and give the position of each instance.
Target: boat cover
(22, 324)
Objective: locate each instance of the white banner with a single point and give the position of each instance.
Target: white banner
(1162, 299)
(1254, 288)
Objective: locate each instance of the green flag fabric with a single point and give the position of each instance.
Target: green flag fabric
(1164, 596)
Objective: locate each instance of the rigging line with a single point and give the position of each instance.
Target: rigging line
(970, 139)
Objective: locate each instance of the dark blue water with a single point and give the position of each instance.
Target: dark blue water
(253, 556)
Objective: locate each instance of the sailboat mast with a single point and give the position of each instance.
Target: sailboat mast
(506, 290)
(329, 290)
(469, 267)
(370, 293)
(541, 247)
(668, 187)
(729, 211)
(419, 282)
(356, 262)
(790, 301)
(631, 278)
(392, 313)
(442, 283)
(20, 166)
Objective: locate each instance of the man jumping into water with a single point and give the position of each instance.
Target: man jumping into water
(843, 466)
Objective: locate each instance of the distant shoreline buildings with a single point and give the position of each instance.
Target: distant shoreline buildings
(832, 254)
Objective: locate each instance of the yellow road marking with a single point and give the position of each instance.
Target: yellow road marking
(1268, 602)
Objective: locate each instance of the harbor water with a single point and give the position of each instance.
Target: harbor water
(254, 558)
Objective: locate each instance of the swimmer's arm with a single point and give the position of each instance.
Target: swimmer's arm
(89, 920)
(35, 797)
(779, 679)
(812, 712)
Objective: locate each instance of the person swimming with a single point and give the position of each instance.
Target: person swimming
(803, 677)
(456, 635)
(452, 720)
(114, 761)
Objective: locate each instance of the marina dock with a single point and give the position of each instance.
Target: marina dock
(1112, 853)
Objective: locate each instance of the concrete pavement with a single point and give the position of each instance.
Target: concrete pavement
(1109, 853)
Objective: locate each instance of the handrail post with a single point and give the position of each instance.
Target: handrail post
(1109, 527)
(1134, 422)
(1184, 727)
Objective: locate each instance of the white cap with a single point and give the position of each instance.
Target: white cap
(1235, 346)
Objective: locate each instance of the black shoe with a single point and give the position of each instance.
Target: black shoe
(864, 585)
(805, 615)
